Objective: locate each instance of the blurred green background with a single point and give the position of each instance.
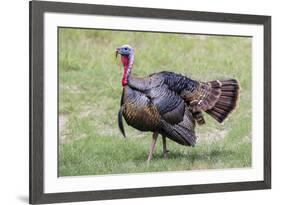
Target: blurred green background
(89, 98)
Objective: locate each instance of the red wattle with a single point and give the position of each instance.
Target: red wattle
(125, 62)
(124, 79)
(124, 82)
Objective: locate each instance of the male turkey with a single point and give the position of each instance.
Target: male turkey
(170, 104)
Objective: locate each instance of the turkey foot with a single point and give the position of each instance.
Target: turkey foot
(153, 143)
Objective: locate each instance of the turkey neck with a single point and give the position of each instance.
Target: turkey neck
(128, 62)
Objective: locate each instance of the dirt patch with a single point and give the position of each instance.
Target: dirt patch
(101, 119)
(213, 135)
(62, 130)
(74, 89)
(64, 137)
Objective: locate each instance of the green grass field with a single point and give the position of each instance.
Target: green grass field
(89, 98)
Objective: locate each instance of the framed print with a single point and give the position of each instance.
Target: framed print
(138, 102)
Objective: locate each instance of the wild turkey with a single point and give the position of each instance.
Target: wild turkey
(171, 104)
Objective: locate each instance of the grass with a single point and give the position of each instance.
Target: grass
(89, 98)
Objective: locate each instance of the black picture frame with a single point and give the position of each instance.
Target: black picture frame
(37, 10)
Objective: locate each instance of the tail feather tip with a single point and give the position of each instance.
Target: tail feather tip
(227, 100)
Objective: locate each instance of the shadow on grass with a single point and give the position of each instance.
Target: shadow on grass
(191, 155)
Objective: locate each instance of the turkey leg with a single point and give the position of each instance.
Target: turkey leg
(165, 151)
(152, 148)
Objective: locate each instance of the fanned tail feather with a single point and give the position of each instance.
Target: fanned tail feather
(227, 99)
